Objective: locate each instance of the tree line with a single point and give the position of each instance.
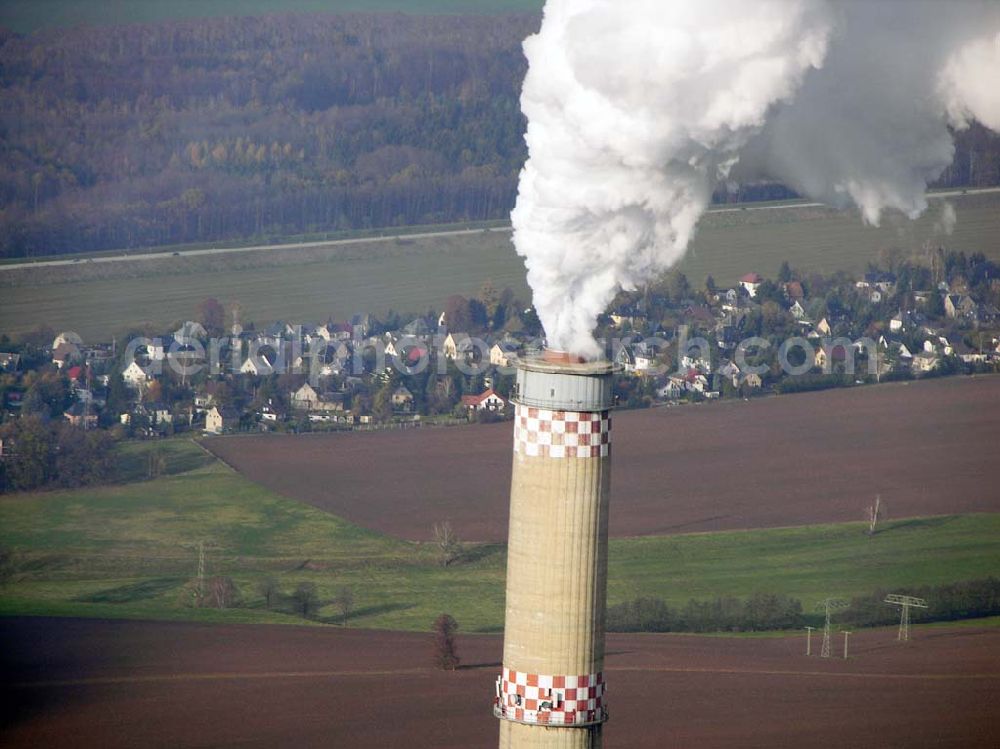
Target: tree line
(760, 612)
(258, 128)
(49, 454)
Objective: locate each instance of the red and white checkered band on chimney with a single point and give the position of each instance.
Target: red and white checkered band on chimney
(539, 432)
(550, 700)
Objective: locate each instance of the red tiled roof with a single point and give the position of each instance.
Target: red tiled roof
(751, 278)
(794, 290)
(475, 400)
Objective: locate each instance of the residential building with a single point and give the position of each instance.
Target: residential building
(65, 353)
(672, 390)
(135, 376)
(402, 399)
(305, 398)
(456, 344)
(924, 362)
(220, 420)
(190, 332)
(751, 282)
(485, 401)
(81, 415)
(260, 364)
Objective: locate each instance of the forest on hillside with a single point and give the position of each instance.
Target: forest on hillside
(264, 127)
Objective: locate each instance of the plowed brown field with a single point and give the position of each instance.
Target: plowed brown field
(143, 684)
(927, 447)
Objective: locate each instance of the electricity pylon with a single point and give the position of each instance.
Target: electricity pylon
(905, 603)
(829, 606)
(201, 570)
(198, 589)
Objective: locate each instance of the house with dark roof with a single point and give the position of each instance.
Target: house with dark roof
(879, 279)
(960, 306)
(81, 415)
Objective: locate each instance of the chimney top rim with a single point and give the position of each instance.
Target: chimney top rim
(561, 362)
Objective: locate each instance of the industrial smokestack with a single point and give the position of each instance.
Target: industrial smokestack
(551, 691)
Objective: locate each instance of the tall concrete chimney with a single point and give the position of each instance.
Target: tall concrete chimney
(551, 692)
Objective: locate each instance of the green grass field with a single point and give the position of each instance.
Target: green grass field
(179, 455)
(412, 275)
(129, 550)
(30, 15)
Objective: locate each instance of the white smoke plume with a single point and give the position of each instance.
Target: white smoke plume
(638, 108)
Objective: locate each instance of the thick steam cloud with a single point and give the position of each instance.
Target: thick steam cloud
(638, 108)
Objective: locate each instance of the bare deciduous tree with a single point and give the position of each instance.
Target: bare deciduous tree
(7, 565)
(306, 599)
(157, 462)
(345, 602)
(269, 591)
(874, 513)
(223, 591)
(448, 543)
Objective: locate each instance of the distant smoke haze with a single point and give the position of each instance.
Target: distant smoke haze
(947, 220)
(638, 108)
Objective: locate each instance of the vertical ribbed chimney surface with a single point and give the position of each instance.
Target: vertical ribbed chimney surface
(551, 690)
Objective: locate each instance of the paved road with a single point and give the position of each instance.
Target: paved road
(424, 235)
(255, 248)
(930, 196)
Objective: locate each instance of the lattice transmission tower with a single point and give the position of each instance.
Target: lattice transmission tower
(201, 570)
(905, 603)
(829, 605)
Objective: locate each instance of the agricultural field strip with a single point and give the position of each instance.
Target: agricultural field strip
(98, 300)
(352, 673)
(925, 469)
(784, 205)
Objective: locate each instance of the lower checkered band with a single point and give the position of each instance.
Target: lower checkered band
(561, 434)
(550, 700)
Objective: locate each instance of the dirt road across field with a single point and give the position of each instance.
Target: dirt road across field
(927, 447)
(130, 684)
